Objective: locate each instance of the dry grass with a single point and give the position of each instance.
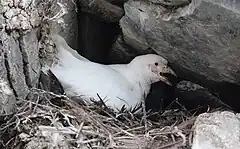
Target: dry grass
(47, 120)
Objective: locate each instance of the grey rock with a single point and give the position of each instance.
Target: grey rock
(7, 98)
(170, 2)
(201, 39)
(188, 86)
(18, 53)
(1, 21)
(13, 57)
(21, 15)
(69, 28)
(218, 130)
(71, 21)
(232, 5)
(30, 52)
(123, 53)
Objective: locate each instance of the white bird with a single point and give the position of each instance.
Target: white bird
(116, 84)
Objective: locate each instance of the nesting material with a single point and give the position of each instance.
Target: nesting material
(47, 120)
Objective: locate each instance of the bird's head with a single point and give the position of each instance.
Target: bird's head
(152, 67)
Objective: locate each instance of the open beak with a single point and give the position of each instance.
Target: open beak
(163, 78)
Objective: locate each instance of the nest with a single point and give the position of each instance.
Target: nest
(47, 120)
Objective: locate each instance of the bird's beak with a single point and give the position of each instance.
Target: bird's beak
(166, 70)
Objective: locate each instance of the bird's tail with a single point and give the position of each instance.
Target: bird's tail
(65, 52)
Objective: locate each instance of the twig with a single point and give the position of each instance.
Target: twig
(144, 115)
(103, 103)
(89, 141)
(124, 131)
(170, 144)
(79, 130)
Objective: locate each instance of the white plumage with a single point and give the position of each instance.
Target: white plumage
(117, 85)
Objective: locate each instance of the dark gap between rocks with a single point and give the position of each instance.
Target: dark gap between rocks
(26, 67)
(223, 92)
(9, 74)
(96, 37)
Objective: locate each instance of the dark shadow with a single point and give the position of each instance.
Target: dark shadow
(96, 37)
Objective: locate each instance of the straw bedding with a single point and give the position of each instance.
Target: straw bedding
(46, 120)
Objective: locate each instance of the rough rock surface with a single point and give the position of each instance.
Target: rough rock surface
(14, 62)
(218, 130)
(201, 38)
(7, 98)
(188, 86)
(30, 52)
(19, 61)
(67, 26)
(21, 15)
(20, 24)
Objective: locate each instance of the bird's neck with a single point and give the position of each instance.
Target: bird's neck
(135, 77)
(142, 85)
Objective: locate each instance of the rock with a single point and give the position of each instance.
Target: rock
(69, 30)
(30, 52)
(170, 2)
(104, 10)
(7, 98)
(228, 4)
(14, 64)
(19, 48)
(188, 86)
(122, 52)
(198, 38)
(21, 15)
(218, 130)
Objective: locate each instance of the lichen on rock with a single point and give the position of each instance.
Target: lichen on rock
(21, 15)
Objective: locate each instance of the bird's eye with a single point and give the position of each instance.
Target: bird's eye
(156, 64)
